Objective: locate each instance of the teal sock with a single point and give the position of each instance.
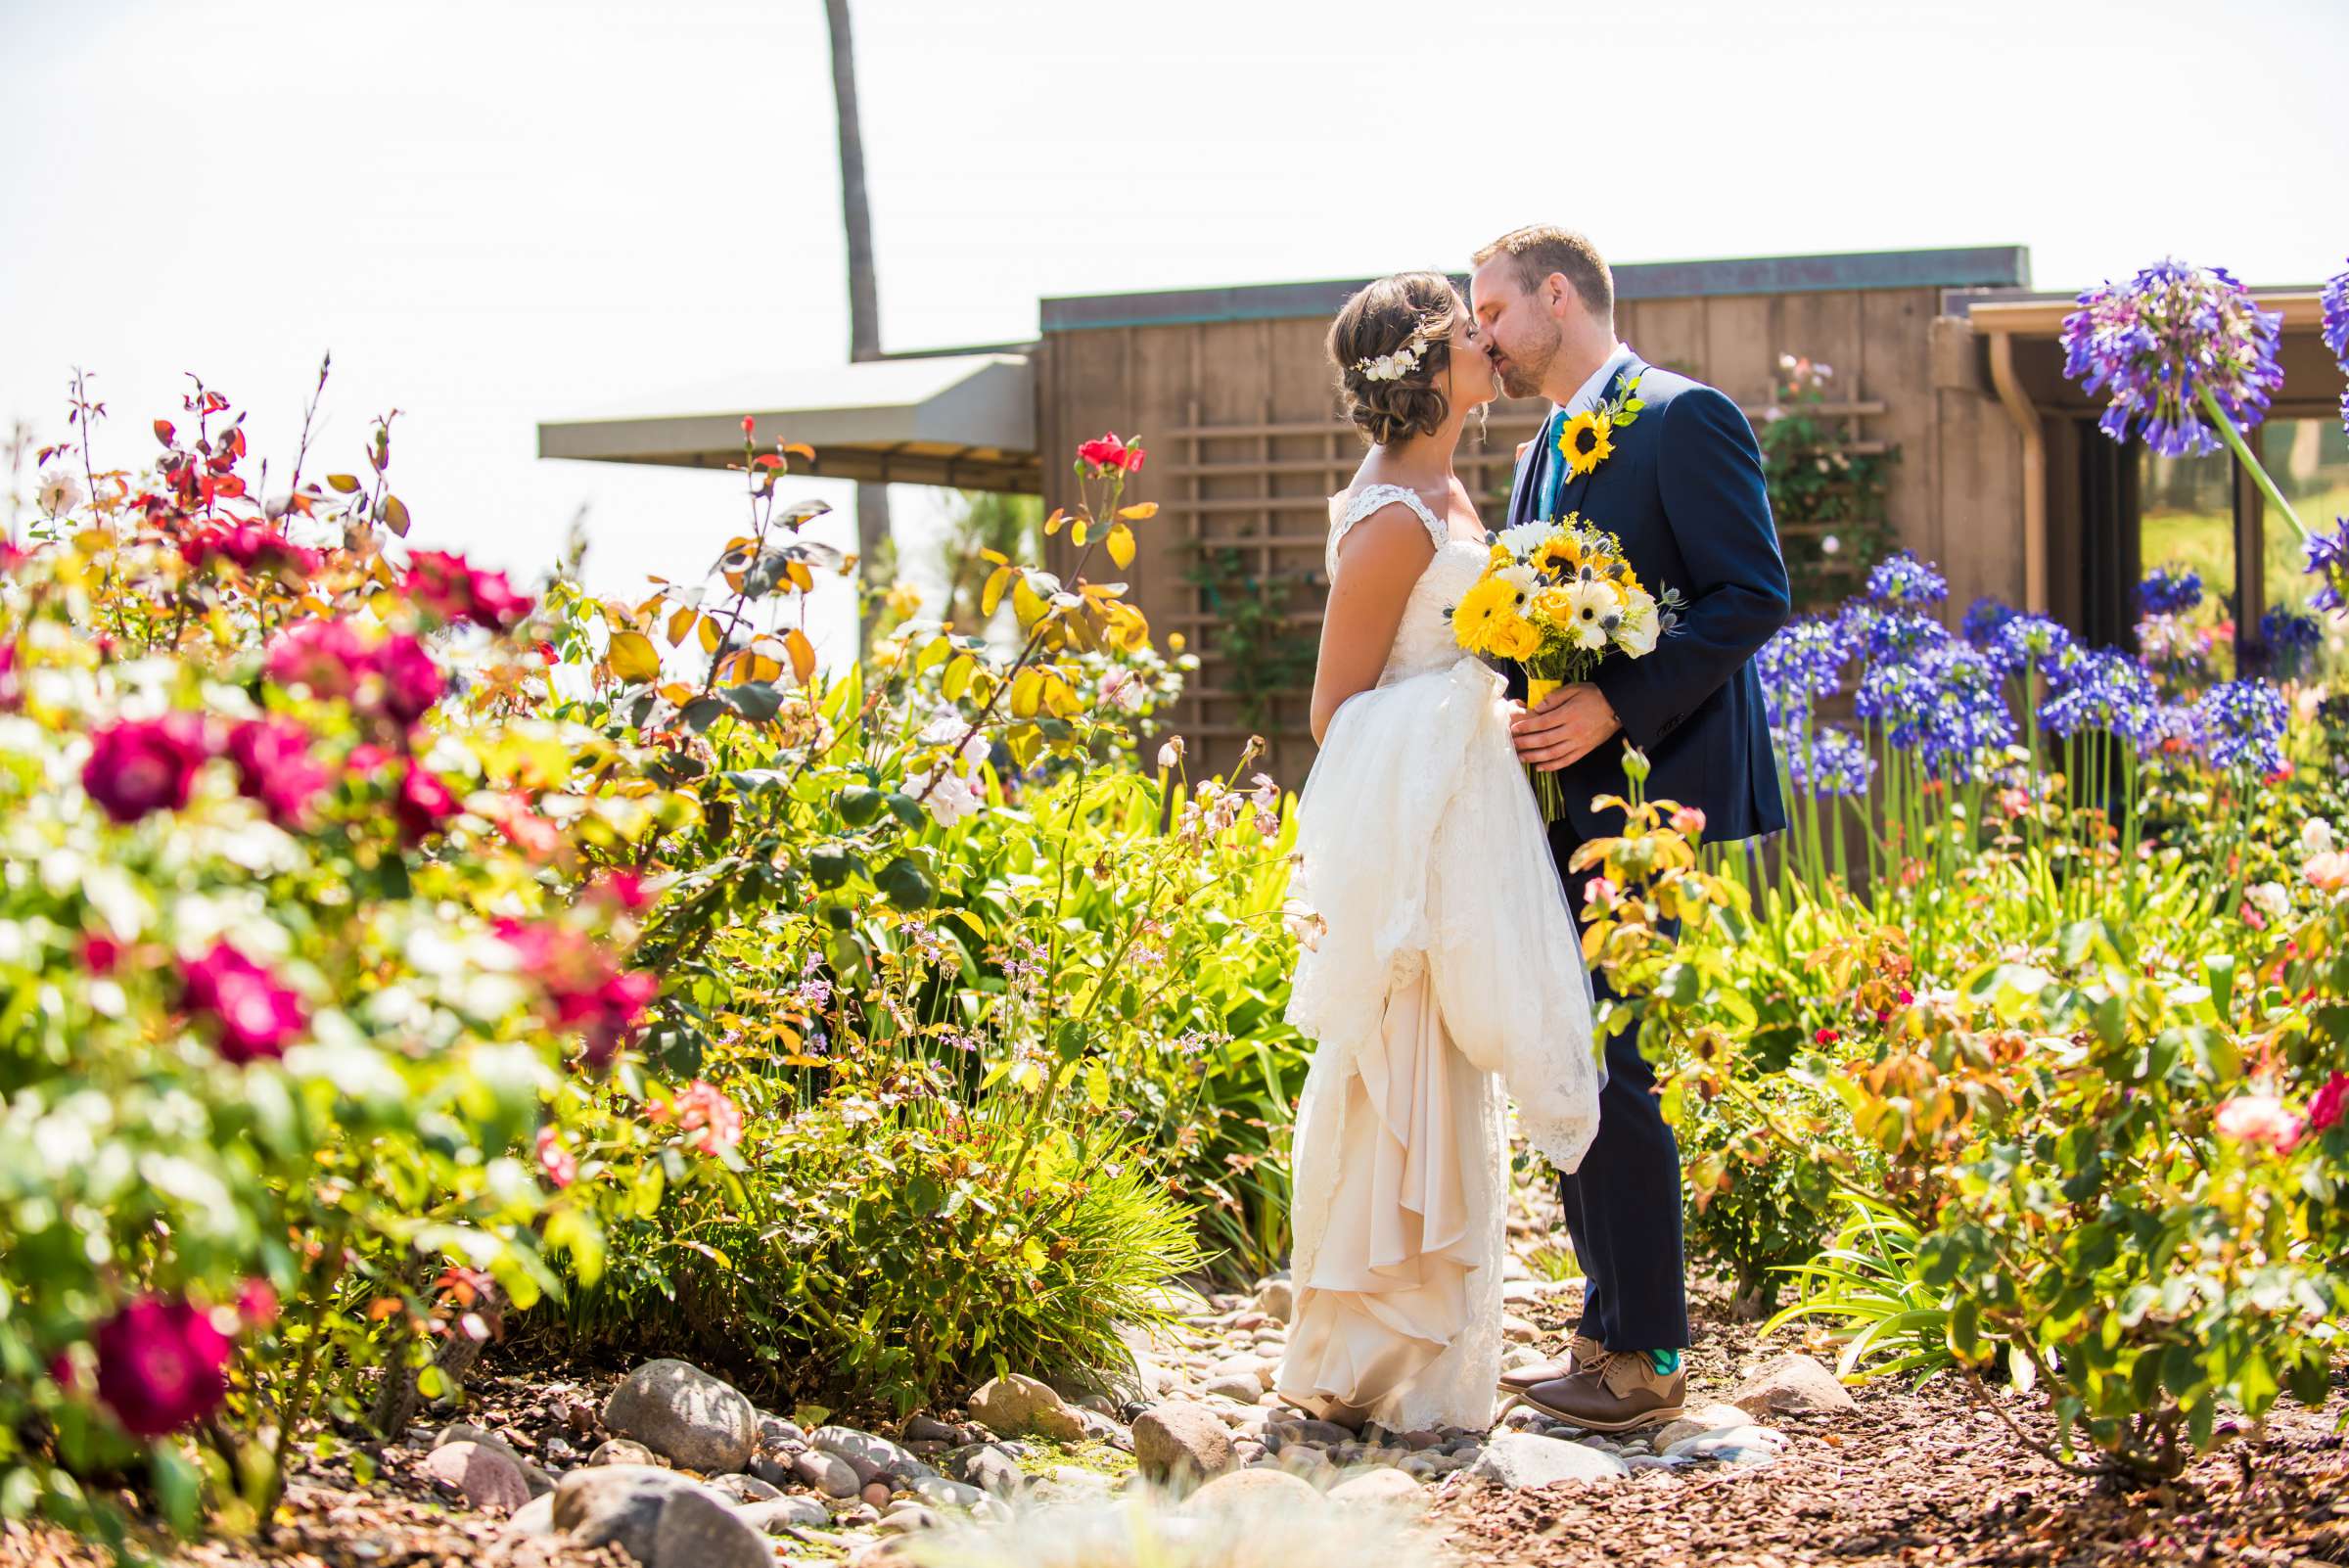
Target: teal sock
(1666, 1363)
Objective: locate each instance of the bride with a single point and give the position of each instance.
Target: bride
(1447, 978)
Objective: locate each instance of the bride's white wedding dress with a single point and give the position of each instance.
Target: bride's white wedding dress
(1448, 980)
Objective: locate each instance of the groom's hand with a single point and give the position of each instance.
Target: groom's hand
(1568, 725)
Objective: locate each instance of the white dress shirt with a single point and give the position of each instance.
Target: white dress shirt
(1586, 396)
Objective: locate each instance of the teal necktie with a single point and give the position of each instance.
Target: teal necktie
(1554, 472)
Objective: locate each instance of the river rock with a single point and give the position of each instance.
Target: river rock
(1276, 1299)
(1738, 1445)
(1382, 1487)
(1792, 1385)
(1283, 1429)
(741, 1489)
(828, 1473)
(774, 1431)
(929, 1429)
(619, 1451)
(1012, 1405)
(873, 1458)
(534, 1518)
(538, 1481)
(1253, 1490)
(1710, 1418)
(876, 1493)
(1519, 1459)
(987, 1467)
(945, 1494)
(488, 1478)
(684, 1414)
(1180, 1439)
(659, 1517)
(779, 1514)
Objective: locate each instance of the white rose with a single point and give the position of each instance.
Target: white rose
(954, 799)
(1635, 634)
(2270, 898)
(2316, 836)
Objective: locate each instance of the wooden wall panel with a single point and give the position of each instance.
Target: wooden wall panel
(1894, 367)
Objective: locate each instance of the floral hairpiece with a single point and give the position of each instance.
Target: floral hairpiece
(1394, 366)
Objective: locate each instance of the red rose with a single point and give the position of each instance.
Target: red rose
(322, 656)
(561, 1165)
(2331, 1101)
(142, 766)
(162, 1366)
(12, 689)
(256, 1017)
(423, 804)
(445, 586)
(623, 890)
(411, 682)
(257, 1304)
(100, 954)
(1825, 1036)
(1106, 452)
(275, 767)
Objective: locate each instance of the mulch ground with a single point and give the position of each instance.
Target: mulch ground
(1922, 1477)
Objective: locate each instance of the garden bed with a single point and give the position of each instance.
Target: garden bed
(1921, 1476)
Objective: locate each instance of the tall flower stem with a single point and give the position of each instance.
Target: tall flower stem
(2258, 470)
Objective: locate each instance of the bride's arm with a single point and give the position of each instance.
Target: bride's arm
(1379, 560)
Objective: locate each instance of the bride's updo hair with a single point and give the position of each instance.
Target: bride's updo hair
(1411, 310)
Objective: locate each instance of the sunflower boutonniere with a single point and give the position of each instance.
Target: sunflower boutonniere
(1587, 439)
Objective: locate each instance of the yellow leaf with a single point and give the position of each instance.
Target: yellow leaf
(676, 691)
(800, 578)
(934, 653)
(1076, 533)
(958, 676)
(1026, 602)
(709, 630)
(1121, 545)
(633, 657)
(802, 655)
(1027, 690)
(1096, 1085)
(1136, 513)
(680, 623)
(998, 556)
(798, 449)
(992, 596)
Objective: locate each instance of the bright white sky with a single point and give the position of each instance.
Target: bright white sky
(505, 210)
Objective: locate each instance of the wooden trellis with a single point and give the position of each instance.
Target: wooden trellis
(1261, 489)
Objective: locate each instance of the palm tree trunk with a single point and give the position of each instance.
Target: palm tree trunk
(864, 297)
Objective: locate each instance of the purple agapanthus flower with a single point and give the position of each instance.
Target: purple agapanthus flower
(2290, 636)
(1827, 763)
(1983, 619)
(1944, 704)
(2164, 592)
(2239, 726)
(2032, 642)
(2329, 563)
(1900, 581)
(1802, 663)
(2336, 318)
(2102, 689)
(2156, 344)
(1892, 635)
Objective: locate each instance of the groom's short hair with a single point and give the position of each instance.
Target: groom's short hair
(1541, 248)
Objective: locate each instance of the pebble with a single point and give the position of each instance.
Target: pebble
(875, 1494)
(485, 1476)
(828, 1473)
(619, 1451)
(1182, 1440)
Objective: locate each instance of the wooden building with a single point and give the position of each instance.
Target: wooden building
(1942, 357)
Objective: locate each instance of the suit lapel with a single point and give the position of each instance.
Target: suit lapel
(1578, 486)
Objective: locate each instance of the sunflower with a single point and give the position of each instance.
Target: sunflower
(1559, 555)
(1586, 441)
(1481, 621)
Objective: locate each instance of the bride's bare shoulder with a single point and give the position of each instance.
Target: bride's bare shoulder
(1385, 535)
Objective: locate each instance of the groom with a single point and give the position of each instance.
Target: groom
(1681, 484)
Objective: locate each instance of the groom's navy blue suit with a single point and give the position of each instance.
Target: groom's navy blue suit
(1684, 490)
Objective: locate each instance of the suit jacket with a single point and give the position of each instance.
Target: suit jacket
(1683, 491)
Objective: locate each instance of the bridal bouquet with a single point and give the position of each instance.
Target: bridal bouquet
(1557, 598)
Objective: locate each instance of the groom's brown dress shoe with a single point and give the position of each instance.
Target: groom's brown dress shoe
(1580, 1350)
(1613, 1392)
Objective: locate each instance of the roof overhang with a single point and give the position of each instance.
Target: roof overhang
(966, 421)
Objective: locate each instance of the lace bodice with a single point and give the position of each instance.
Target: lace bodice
(1423, 641)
